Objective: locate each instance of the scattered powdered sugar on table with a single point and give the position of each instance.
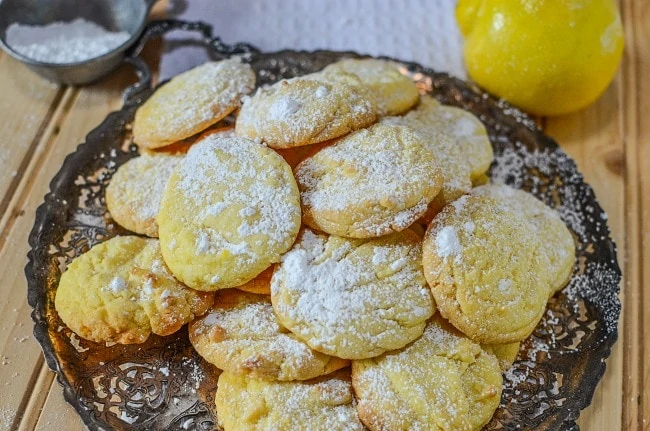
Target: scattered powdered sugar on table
(63, 42)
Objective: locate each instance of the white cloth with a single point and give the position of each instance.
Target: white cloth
(423, 31)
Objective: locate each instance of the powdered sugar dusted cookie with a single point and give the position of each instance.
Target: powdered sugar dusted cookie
(453, 163)
(321, 404)
(462, 127)
(370, 183)
(442, 381)
(487, 270)
(395, 93)
(558, 241)
(241, 334)
(134, 193)
(229, 211)
(122, 291)
(353, 298)
(191, 102)
(305, 111)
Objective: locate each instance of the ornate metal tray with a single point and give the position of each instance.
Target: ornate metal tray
(164, 384)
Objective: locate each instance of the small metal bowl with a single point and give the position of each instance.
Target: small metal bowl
(113, 15)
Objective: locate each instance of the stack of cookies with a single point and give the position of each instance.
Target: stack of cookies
(339, 253)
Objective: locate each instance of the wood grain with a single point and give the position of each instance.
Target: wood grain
(636, 114)
(27, 102)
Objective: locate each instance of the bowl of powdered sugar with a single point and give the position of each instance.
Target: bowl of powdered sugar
(71, 41)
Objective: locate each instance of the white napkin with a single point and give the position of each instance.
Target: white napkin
(423, 31)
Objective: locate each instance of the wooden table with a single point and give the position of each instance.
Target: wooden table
(40, 123)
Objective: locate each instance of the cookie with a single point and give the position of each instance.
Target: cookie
(505, 353)
(134, 193)
(453, 163)
(369, 183)
(321, 404)
(260, 284)
(353, 298)
(558, 241)
(487, 270)
(442, 381)
(241, 335)
(229, 211)
(121, 291)
(191, 102)
(462, 127)
(305, 111)
(394, 92)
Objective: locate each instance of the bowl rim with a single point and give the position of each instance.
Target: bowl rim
(133, 37)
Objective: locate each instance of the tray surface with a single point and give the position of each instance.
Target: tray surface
(164, 384)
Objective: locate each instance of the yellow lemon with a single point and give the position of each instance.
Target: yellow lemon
(548, 57)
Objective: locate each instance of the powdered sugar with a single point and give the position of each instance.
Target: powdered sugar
(321, 91)
(117, 284)
(284, 108)
(447, 244)
(63, 42)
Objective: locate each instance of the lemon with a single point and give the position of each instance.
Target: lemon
(548, 57)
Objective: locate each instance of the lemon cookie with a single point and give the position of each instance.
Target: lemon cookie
(353, 298)
(442, 381)
(453, 163)
(122, 291)
(241, 334)
(191, 102)
(487, 270)
(505, 353)
(229, 211)
(305, 111)
(260, 284)
(134, 193)
(462, 127)
(558, 241)
(395, 93)
(322, 404)
(370, 183)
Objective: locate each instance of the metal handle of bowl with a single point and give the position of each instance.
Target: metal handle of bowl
(134, 93)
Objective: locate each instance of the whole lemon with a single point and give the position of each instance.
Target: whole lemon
(548, 57)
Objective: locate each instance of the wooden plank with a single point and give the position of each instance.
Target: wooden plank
(57, 414)
(593, 137)
(637, 112)
(36, 401)
(26, 103)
